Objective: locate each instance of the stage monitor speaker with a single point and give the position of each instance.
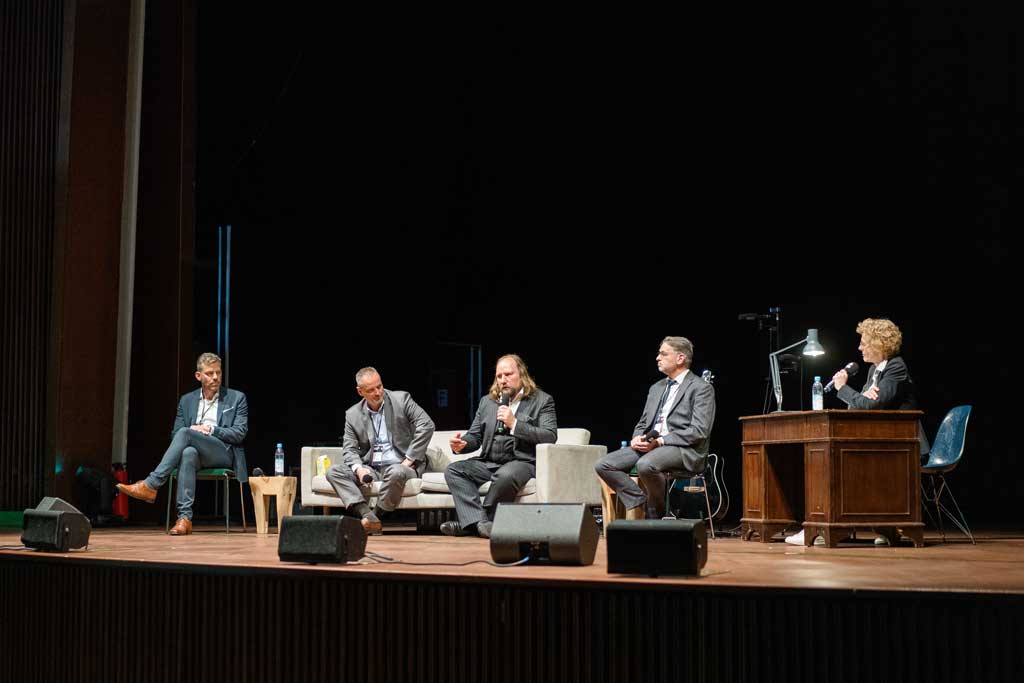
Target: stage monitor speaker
(321, 539)
(56, 526)
(657, 546)
(559, 533)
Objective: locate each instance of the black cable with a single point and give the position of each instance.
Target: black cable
(384, 559)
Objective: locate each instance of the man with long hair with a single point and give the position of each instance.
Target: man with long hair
(511, 420)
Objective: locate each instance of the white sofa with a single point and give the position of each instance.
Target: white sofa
(565, 474)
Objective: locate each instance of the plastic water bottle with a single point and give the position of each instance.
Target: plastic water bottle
(625, 444)
(279, 461)
(817, 394)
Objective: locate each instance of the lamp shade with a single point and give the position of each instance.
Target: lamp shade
(813, 346)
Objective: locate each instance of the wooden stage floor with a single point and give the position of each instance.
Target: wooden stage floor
(994, 566)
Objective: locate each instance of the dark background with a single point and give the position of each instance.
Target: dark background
(573, 188)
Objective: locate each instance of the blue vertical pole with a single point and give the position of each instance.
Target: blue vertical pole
(220, 282)
(227, 304)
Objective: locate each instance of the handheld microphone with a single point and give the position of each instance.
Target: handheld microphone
(651, 435)
(367, 478)
(851, 370)
(506, 397)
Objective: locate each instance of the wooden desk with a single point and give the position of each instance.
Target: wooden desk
(265, 487)
(834, 470)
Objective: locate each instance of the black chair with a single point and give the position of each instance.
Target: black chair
(691, 483)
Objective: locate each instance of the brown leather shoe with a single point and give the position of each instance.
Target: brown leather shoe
(183, 527)
(371, 523)
(140, 490)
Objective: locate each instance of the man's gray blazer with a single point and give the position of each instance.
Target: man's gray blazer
(690, 417)
(536, 423)
(232, 423)
(409, 426)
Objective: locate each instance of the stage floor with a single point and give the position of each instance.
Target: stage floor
(994, 566)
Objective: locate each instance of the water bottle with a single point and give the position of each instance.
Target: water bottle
(817, 394)
(625, 444)
(279, 461)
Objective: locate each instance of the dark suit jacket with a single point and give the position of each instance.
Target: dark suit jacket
(232, 423)
(895, 392)
(409, 426)
(536, 423)
(895, 389)
(690, 417)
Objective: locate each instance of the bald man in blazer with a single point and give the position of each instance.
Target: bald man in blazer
(386, 437)
(681, 409)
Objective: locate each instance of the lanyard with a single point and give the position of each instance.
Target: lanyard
(202, 416)
(375, 422)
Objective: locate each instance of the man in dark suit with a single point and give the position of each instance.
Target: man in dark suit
(671, 436)
(209, 429)
(507, 431)
(386, 437)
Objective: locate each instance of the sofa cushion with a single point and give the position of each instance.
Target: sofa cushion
(437, 459)
(433, 482)
(322, 486)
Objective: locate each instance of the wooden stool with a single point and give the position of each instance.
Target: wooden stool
(263, 488)
(613, 509)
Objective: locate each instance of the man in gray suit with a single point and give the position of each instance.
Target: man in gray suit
(671, 436)
(209, 429)
(386, 437)
(511, 420)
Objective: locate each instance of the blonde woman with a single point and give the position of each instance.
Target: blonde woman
(888, 385)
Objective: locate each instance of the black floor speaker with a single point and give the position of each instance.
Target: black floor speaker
(305, 538)
(55, 525)
(558, 533)
(657, 546)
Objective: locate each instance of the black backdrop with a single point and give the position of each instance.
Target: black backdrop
(573, 188)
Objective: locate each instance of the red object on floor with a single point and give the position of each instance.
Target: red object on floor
(120, 506)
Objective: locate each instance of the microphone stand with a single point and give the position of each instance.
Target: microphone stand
(767, 322)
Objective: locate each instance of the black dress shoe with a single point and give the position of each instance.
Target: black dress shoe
(452, 529)
(483, 529)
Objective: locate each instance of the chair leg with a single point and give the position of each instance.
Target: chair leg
(707, 501)
(170, 490)
(936, 494)
(960, 523)
(668, 495)
(227, 506)
(241, 500)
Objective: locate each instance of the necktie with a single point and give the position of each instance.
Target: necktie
(661, 403)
